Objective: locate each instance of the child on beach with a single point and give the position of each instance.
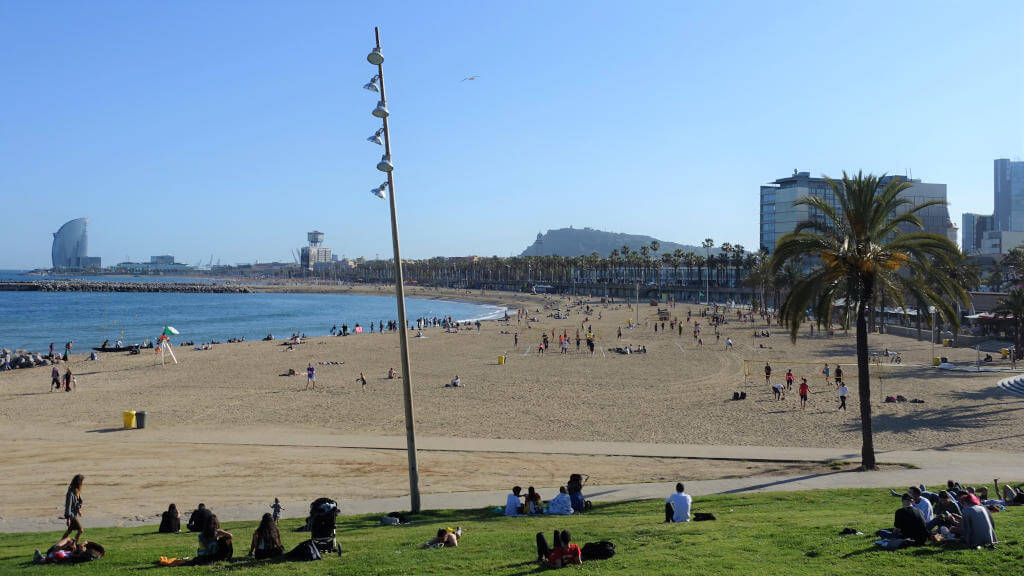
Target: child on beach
(310, 376)
(276, 507)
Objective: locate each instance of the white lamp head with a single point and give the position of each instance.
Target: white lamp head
(381, 111)
(376, 138)
(372, 84)
(375, 57)
(385, 164)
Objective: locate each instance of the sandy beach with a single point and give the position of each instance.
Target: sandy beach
(214, 419)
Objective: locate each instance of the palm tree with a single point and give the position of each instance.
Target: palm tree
(860, 251)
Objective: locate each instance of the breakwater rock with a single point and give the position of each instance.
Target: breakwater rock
(24, 359)
(100, 286)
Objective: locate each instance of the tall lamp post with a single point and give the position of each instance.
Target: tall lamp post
(376, 84)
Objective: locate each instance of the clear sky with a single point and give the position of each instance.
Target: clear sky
(232, 128)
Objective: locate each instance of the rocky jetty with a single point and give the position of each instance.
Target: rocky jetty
(100, 286)
(25, 359)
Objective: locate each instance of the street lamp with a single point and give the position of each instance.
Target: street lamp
(376, 57)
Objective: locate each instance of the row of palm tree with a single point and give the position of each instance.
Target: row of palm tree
(645, 265)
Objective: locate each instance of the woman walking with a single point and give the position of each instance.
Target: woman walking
(73, 507)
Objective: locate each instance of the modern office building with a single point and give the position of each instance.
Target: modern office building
(1004, 229)
(71, 246)
(163, 259)
(973, 231)
(779, 215)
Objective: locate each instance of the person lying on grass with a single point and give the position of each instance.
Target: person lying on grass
(446, 538)
(67, 551)
(565, 553)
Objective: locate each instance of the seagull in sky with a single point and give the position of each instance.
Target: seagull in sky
(474, 77)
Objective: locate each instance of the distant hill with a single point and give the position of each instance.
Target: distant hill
(583, 241)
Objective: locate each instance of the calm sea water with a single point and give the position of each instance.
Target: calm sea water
(31, 320)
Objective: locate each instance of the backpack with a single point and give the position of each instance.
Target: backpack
(598, 550)
(305, 552)
(702, 516)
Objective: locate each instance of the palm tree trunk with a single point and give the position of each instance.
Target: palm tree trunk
(863, 384)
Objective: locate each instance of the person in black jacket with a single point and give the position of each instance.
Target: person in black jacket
(170, 520)
(909, 522)
(200, 516)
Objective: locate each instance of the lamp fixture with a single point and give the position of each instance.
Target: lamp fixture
(376, 137)
(385, 164)
(379, 191)
(372, 84)
(375, 57)
(381, 111)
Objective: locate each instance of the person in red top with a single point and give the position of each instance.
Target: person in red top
(804, 391)
(564, 553)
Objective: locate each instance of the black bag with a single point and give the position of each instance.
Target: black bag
(304, 552)
(598, 550)
(701, 516)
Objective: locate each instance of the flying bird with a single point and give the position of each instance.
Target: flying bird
(474, 77)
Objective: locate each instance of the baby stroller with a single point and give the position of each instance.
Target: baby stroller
(322, 515)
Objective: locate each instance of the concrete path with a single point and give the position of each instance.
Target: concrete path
(934, 467)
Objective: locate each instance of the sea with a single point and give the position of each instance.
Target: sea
(31, 320)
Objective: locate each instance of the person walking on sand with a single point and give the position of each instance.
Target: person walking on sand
(843, 391)
(362, 380)
(310, 376)
(54, 378)
(804, 391)
(825, 371)
(839, 375)
(789, 380)
(73, 508)
(767, 373)
(69, 379)
(515, 340)
(67, 350)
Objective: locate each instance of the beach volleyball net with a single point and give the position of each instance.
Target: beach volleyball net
(753, 370)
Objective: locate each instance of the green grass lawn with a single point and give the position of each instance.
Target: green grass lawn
(788, 533)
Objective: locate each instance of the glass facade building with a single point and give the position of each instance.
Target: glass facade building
(71, 245)
(779, 215)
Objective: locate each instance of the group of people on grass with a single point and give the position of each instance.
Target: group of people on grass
(569, 500)
(962, 514)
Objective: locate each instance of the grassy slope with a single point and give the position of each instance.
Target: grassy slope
(787, 533)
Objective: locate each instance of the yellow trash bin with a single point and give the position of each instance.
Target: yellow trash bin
(1004, 353)
(129, 419)
(935, 361)
(501, 360)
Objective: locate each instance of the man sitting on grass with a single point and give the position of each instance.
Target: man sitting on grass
(909, 522)
(677, 506)
(512, 506)
(922, 504)
(560, 504)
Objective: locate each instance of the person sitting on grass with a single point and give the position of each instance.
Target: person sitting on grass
(922, 504)
(908, 524)
(677, 506)
(944, 511)
(974, 526)
(200, 516)
(446, 538)
(565, 553)
(512, 505)
(266, 540)
(532, 503)
(560, 504)
(170, 520)
(214, 544)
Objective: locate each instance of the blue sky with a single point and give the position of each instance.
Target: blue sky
(232, 128)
